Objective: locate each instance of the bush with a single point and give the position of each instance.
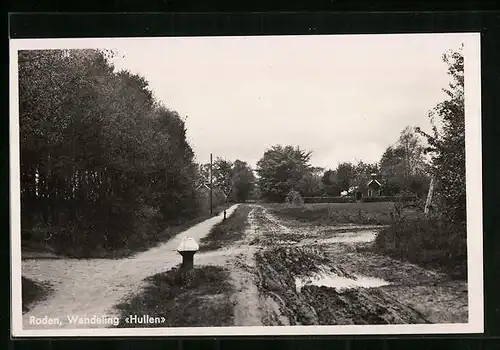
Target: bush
(431, 243)
(32, 292)
(294, 198)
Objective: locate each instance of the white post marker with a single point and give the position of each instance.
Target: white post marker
(187, 248)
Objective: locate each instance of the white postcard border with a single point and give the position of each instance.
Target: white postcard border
(474, 217)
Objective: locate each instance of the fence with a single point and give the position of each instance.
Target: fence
(329, 200)
(353, 200)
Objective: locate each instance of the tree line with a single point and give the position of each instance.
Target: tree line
(234, 180)
(103, 163)
(403, 168)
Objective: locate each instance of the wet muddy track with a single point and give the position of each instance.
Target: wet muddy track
(406, 294)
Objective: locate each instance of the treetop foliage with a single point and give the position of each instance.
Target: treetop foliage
(280, 170)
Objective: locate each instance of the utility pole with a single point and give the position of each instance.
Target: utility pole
(211, 186)
(428, 201)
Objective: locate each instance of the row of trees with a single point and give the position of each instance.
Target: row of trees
(102, 162)
(402, 168)
(235, 179)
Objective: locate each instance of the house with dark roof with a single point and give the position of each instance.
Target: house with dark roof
(368, 189)
(373, 187)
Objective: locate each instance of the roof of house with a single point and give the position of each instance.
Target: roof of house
(203, 185)
(374, 180)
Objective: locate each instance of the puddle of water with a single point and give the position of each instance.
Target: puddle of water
(284, 242)
(338, 282)
(352, 237)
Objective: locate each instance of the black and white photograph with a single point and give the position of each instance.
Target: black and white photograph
(246, 185)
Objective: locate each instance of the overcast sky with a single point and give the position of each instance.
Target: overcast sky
(344, 98)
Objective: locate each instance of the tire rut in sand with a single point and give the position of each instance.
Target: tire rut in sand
(252, 308)
(247, 311)
(359, 306)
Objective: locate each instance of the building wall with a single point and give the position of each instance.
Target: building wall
(373, 190)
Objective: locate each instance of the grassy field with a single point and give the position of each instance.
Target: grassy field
(203, 302)
(378, 213)
(227, 231)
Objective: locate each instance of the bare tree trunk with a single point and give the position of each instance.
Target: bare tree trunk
(429, 196)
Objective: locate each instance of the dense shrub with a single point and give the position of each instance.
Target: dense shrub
(32, 292)
(294, 198)
(433, 243)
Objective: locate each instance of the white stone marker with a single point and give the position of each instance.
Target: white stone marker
(187, 248)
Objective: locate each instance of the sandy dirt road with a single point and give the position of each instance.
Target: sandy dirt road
(94, 286)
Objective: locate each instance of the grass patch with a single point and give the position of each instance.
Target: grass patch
(378, 213)
(203, 302)
(37, 250)
(429, 243)
(33, 292)
(227, 231)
